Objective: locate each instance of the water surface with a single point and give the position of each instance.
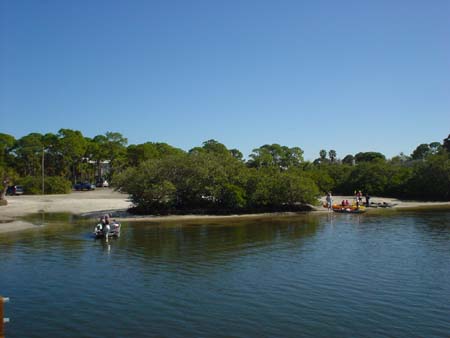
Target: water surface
(384, 275)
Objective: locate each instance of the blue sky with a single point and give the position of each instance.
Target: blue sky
(345, 75)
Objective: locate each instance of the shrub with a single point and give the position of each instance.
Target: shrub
(52, 185)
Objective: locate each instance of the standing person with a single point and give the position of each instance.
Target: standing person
(106, 226)
(329, 200)
(367, 199)
(358, 195)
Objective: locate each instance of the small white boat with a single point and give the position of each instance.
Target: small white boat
(108, 230)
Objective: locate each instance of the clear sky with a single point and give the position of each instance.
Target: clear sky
(345, 75)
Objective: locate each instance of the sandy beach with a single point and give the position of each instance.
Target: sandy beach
(95, 203)
(99, 201)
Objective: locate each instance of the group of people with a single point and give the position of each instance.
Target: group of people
(104, 225)
(345, 203)
(358, 200)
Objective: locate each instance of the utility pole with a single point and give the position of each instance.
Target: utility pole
(43, 153)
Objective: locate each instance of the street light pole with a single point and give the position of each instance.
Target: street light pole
(43, 149)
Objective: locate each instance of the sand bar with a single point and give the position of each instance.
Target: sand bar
(78, 202)
(95, 203)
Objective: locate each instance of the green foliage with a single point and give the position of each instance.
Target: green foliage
(212, 146)
(348, 159)
(274, 155)
(369, 177)
(322, 178)
(6, 144)
(446, 143)
(52, 185)
(57, 185)
(212, 178)
(431, 179)
(137, 154)
(31, 185)
(424, 150)
(237, 154)
(420, 152)
(340, 178)
(28, 150)
(7, 176)
(369, 156)
(233, 197)
(332, 155)
(213, 181)
(297, 188)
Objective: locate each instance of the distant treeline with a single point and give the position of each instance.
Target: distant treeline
(211, 178)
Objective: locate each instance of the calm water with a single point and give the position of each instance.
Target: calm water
(313, 276)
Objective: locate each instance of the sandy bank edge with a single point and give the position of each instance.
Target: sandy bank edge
(93, 204)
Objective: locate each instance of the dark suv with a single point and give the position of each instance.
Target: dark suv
(14, 190)
(84, 186)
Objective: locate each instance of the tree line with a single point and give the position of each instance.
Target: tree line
(211, 178)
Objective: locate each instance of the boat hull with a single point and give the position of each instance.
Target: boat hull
(349, 211)
(113, 232)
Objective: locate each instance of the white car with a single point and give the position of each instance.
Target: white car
(102, 184)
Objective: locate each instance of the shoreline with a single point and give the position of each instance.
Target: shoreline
(105, 200)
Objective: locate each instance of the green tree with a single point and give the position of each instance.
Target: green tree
(53, 161)
(237, 154)
(28, 150)
(431, 179)
(400, 159)
(233, 197)
(213, 146)
(96, 152)
(137, 154)
(72, 147)
(348, 159)
(369, 156)
(6, 146)
(6, 172)
(332, 155)
(277, 156)
(116, 150)
(446, 143)
(297, 189)
(421, 152)
(435, 147)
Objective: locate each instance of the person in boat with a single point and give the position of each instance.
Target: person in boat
(104, 221)
(329, 200)
(98, 227)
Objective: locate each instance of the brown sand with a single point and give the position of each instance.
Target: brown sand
(95, 203)
(79, 202)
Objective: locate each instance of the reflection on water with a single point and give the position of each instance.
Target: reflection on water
(323, 276)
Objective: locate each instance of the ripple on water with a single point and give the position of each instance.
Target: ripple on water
(322, 277)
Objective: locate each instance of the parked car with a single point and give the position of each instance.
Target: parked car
(14, 190)
(102, 184)
(84, 186)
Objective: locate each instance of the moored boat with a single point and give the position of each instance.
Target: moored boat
(352, 209)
